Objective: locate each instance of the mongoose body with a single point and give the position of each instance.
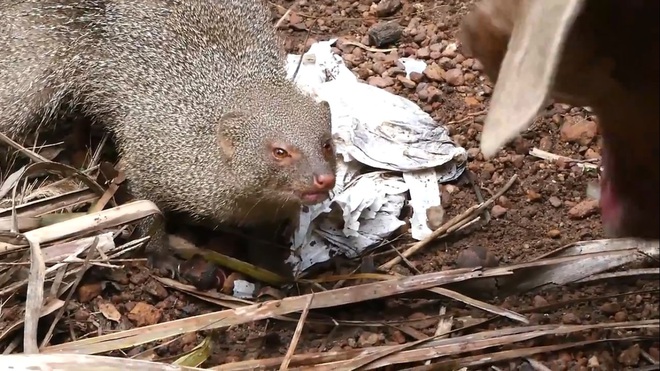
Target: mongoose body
(194, 91)
(610, 62)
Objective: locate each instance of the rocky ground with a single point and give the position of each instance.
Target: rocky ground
(547, 208)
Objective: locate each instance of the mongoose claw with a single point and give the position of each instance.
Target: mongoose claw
(167, 265)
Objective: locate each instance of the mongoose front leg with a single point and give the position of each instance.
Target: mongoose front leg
(160, 255)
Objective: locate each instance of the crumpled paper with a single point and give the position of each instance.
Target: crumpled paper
(372, 129)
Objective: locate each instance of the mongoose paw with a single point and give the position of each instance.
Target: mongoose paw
(202, 274)
(167, 265)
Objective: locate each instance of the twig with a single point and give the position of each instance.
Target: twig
(480, 197)
(97, 153)
(91, 251)
(444, 326)
(302, 55)
(270, 309)
(539, 153)
(446, 348)
(648, 357)
(286, 14)
(452, 225)
(331, 18)
(467, 117)
(30, 154)
(296, 335)
(35, 296)
(368, 48)
(536, 365)
(405, 260)
(626, 273)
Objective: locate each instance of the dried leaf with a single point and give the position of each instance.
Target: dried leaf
(109, 311)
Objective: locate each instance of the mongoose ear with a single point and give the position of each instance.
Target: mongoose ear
(229, 128)
(325, 107)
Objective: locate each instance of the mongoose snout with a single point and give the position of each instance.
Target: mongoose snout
(323, 184)
(311, 176)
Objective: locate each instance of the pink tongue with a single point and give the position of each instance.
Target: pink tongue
(610, 209)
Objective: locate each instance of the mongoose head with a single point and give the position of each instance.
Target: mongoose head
(623, 92)
(278, 144)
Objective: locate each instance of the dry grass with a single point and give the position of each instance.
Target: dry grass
(59, 222)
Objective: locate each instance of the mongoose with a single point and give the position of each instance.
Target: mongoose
(610, 62)
(194, 91)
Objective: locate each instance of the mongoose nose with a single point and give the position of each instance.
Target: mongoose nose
(324, 181)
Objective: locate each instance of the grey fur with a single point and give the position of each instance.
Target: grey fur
(172, 80)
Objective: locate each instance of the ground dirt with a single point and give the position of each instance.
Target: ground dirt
(547, 208)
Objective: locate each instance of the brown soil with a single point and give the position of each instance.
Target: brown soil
(533, 218)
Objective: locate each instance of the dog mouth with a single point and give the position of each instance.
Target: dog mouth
(611, 210)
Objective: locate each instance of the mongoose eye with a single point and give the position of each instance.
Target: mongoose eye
(327, 147)
(280, 153)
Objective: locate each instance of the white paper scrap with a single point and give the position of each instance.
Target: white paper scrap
(411, 65)
(244, 289)
(390, 153)
(424, 193)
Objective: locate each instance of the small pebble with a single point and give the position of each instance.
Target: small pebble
(498, 211)
(554, 233)
(630, 356)
(570, 319)
(555, 201)
(454, 77)
(584, 209)
(539, 301)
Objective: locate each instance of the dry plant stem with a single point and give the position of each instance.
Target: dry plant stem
(97, 152)
(649, 357)
(538, 366)
(408, 263)
(51, 204)
(335, 360)
(444, 326)
(56, 168)
(91, 250)
(11, 181)
(35, 297)
(628, 273)
(340, 283)
(469, 116)
(296, 335)
(286, 14)
(233, 303)
(364, 360)
(56, 284)
(539, 153)
(108, 194)
(14, 216)
(451, 225)
(481, 360)
(368, 48)
(85, 362)
(302, 55)
(95, 221)
(467, 344)
(14, 327)
(13, 344)
(270, 309)
(480, 197)
(30, 154)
